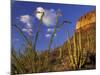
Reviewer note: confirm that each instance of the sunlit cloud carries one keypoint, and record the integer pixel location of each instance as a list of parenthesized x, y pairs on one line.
[(49, 35), (29, 31), (41, 10), (49, 18), (26, 19), (55, 34), (50, 29)]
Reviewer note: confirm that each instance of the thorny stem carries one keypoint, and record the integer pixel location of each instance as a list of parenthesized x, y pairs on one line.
[(55, 29), (35, 42), (37, 33)]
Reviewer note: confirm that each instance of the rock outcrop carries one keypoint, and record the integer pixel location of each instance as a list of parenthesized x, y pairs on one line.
[(86, 20)]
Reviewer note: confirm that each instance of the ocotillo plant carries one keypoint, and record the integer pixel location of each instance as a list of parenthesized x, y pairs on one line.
[(36, 38), (31, 55), (69, 51), (28, 42), (77, 54), (55, 29), (37, 33)]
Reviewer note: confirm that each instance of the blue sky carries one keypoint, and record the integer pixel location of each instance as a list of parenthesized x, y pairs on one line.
[(27, 9)]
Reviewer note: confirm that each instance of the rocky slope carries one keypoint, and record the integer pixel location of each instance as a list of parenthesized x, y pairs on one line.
[(59, 57), (86, 24), (86, 20)]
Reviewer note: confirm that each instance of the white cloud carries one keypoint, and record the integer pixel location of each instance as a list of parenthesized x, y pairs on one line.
[(28, 25), (55, 34), (27, 20), (41, 10), (49, 17), (48, 35), (29, 31), (52, 10), (50, 29)]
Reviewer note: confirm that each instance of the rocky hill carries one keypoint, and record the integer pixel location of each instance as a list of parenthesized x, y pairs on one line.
[(86, 20), (86, 25)]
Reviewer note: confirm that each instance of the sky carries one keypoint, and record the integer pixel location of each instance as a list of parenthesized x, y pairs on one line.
[(24, 15)]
